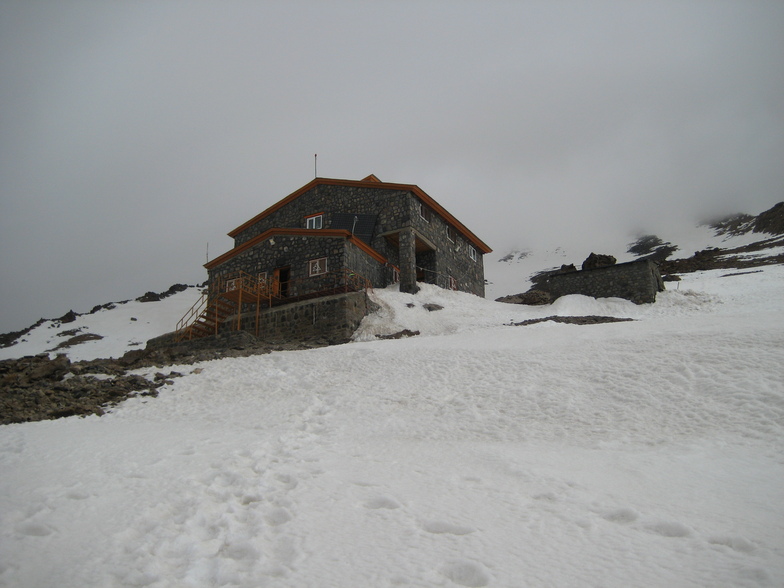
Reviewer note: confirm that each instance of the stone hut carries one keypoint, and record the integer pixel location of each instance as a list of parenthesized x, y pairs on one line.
[(333, 237), (638, 281)]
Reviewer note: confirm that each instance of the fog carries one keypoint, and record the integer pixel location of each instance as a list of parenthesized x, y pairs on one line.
[(134, 136)]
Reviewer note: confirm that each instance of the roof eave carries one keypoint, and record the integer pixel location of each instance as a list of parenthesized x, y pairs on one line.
[(375, 184)]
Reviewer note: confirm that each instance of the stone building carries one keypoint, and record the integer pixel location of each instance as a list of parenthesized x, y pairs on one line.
[(336, 236), (382, 231), (638, 281)]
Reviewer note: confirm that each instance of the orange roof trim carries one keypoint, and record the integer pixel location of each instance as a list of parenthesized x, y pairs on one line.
[(370, 181)]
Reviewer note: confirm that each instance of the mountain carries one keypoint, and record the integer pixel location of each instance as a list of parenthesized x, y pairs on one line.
[(739, 240), (108, 330), (112, 329), (490, 449)]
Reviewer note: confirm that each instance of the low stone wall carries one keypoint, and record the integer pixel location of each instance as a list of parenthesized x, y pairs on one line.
[(638, 281), (332, 318)]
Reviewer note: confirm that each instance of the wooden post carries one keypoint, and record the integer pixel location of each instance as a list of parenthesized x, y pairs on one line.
[(258, 306), (239, 306)]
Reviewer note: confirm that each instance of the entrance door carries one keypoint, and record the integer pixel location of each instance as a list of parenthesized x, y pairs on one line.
[(280, 281)]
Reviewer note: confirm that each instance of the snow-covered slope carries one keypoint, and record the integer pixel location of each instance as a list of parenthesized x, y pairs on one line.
[(643, 453), (121, 327), (510, 272)]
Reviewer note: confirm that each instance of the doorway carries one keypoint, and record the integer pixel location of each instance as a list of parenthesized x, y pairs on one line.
[(280, 281)]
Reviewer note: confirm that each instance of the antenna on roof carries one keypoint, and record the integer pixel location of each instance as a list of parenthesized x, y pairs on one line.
[(315, 165)]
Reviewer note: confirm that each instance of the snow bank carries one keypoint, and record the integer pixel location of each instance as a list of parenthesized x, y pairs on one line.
[(643, 453), (122, 328)]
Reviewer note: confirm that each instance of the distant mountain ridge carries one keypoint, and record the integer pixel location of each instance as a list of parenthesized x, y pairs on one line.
[(771, 221), (738, 240), (728, 242)]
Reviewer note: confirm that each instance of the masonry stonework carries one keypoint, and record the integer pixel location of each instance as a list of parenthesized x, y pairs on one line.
[(333, 318), (638, 281), (335, 236)]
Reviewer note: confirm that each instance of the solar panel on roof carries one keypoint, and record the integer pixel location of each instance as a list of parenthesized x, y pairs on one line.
[(361, 225)]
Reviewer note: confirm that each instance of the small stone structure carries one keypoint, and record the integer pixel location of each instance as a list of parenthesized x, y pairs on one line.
[(638, 281)]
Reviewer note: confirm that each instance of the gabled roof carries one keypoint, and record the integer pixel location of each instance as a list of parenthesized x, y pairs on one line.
[(370, 182), (340, 233)]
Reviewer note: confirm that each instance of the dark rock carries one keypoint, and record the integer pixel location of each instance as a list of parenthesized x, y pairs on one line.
[(532, 298), (149, 297), (399, 334), (771, 221), (430, 307), (573, 320), (8, 339), (68, 317), (595, 260), (78, 339)]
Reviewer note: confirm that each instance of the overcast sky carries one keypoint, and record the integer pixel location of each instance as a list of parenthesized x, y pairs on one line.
[(134, 134)]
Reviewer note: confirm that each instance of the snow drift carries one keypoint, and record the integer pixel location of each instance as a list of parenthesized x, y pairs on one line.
[(641, 453)]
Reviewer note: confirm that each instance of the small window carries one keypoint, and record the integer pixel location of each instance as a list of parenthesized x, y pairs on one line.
[(472, 252), (314, 222), (316, 267), (425, 212), (262, 278), (450, 233), (452, 283)]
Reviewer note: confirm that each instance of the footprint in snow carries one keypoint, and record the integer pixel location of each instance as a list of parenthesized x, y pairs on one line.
[(669, 529), (382, 502), (34, 529), (466, 573), (621, 515), (277, 517), (736, 543), (441, 527)]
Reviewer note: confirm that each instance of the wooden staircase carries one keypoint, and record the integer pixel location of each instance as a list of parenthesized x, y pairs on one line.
[(227, 296), (224, 299)]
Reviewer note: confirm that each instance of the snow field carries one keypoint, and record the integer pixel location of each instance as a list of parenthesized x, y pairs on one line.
[(644, 453), (126, 326)]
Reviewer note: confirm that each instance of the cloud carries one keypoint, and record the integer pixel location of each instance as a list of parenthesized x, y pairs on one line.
[(135, 134)]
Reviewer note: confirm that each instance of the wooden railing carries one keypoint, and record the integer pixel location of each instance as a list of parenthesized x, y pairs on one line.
[(193, 313), (242, 288)]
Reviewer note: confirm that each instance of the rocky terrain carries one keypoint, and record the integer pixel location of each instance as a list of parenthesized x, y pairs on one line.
[(37, 387), (768, 250)]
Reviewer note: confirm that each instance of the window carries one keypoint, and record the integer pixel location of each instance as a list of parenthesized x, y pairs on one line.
[(472, 252), (450, 233), (314, 222), (425, 212), (316, 267), (452, 283)]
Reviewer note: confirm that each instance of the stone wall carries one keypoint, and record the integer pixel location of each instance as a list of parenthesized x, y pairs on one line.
[(451, 258), (394, 210), (332, 318), (638, 281), (285, 251), (389, 205), (294, 252)]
